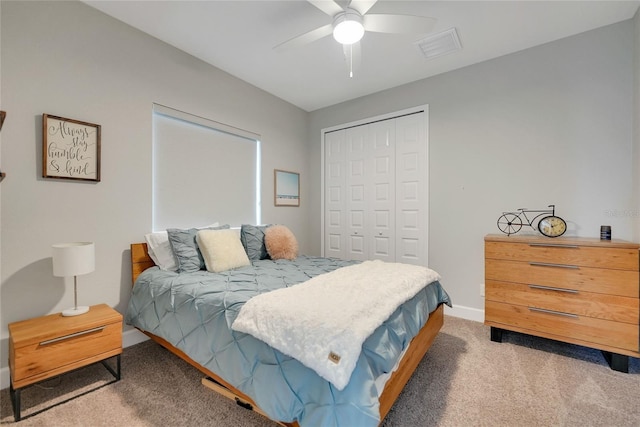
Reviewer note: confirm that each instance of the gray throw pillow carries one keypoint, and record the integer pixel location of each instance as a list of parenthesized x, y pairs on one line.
[(185, 248), (252, 238)]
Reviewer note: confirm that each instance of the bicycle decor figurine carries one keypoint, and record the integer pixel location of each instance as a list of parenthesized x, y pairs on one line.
[(549, 225)]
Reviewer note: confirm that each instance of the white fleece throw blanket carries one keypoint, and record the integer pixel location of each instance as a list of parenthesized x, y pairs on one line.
[(324, 321)]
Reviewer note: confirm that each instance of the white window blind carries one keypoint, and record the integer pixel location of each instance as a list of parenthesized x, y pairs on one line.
[(203, 172)]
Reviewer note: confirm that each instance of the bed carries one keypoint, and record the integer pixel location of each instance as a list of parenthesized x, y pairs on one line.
[(259, 377)]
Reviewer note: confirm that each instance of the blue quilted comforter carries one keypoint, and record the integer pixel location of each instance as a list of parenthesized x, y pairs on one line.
[(194, 312)]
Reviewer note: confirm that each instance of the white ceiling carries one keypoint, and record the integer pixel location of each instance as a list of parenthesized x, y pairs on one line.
[(238, 37)]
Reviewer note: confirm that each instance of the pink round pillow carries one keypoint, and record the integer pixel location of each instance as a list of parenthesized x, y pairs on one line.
[(280, 242)]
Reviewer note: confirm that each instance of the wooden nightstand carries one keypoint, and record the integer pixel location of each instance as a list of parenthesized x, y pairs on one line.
[(51, 345)]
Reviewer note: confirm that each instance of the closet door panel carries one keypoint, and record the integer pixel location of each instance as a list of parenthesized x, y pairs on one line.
[(335, 195), (382, 190), (411, 190), (358, 166)]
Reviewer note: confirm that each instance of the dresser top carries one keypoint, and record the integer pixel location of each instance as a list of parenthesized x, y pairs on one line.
[(562, 240)]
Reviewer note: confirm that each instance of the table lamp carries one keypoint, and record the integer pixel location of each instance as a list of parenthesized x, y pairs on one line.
[(73, 259)]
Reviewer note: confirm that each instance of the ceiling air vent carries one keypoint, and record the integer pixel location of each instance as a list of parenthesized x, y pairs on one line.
[(439, 44)]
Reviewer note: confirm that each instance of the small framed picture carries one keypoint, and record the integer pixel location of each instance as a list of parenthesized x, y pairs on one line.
[(70, 149), (287, 188)]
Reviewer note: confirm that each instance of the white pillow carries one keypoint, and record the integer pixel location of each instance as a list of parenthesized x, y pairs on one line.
[(221, 249), (160, 251)]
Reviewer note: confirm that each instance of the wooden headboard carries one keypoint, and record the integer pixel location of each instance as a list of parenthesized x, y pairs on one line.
[(140, 260)]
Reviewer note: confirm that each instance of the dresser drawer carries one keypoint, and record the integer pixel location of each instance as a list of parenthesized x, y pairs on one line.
[(598, 280), (55, 353), (565, 254), (589, 304), (588, 329)]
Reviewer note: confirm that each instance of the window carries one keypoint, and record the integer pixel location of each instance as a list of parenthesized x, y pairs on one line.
[(203, 172)]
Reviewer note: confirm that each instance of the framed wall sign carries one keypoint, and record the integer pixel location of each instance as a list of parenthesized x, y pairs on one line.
[(70, 149), (287, 188)]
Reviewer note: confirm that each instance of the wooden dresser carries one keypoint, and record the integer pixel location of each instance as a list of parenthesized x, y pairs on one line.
[(584, 291)]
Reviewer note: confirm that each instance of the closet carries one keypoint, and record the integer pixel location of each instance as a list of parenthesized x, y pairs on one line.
[(376, 189)]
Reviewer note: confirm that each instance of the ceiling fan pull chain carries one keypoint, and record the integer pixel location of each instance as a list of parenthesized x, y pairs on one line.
[(351, 61)]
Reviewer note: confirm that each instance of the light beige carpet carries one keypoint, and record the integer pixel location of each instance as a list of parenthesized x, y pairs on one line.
[(464, 380)]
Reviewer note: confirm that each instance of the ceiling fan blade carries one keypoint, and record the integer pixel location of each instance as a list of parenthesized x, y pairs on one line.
[(329, 7), (400, 24), (353, 57), (362, 6), (305, 38)]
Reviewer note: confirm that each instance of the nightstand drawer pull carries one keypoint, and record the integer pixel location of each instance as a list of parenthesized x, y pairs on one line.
[(558, 313), (77, 334), (554, 245), (546, 264), (550, 288)]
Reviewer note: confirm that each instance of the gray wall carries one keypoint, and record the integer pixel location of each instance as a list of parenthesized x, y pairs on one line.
[(636, 136), (551, 124), (68, 59)]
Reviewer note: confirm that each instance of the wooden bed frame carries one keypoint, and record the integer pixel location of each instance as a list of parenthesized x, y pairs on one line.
[(418, 347)]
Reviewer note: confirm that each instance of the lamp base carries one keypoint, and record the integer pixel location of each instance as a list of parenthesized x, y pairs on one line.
[(75, 311)]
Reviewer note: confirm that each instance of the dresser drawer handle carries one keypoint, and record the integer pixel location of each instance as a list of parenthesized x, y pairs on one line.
[(546, 264), (551, 288), (558, 313), (77, 334), (554, 245)]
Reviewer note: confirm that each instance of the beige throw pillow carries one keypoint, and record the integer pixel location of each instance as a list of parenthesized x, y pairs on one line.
[(221, 249)]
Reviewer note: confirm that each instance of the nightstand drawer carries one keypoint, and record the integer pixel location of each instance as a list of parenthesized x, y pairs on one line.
[(564, 254), (598, 280), (597, 331), (58, 353), (606, 307)]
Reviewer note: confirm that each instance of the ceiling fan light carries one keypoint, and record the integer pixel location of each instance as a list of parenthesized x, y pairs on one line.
[(348, 32), (347, 27)]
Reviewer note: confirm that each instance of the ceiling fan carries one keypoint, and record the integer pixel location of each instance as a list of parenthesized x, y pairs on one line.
[(351, 21)]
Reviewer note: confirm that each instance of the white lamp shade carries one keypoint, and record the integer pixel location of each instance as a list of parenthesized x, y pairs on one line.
[(73, 259)]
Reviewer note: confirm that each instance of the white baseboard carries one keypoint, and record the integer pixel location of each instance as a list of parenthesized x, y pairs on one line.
[(134, 336), (129, 338), (468, 313), (4, 377)]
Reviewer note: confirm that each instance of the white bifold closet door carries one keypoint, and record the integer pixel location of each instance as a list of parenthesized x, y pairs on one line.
[(376, 191), (412, 190)]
